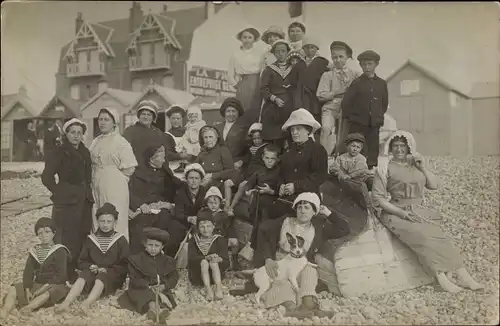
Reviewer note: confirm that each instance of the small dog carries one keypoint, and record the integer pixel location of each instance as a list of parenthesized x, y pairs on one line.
[(288, 267)]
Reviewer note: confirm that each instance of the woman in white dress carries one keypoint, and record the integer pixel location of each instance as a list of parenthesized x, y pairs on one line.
[(113, 162)]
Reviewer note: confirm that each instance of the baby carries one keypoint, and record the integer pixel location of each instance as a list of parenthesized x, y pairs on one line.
[(190, 142)]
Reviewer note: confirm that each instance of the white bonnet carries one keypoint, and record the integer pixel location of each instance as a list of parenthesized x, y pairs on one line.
[(195, 167), (213, 191), (310, 197)]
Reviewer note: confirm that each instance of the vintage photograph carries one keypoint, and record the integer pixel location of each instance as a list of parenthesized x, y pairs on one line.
[(249, 163)]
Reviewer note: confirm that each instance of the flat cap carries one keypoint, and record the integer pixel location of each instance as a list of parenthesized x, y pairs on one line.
[(155, 234), (107, 208), (355, 137), (341, 45), (369, 55)]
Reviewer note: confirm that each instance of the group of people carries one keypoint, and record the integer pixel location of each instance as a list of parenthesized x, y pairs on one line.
[(120, 210)]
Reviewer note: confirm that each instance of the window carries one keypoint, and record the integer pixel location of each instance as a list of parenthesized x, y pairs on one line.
[(75, 92), (409, 87), (145, 54), (159, 53), (136, 85), (82, 61), (94, 60)]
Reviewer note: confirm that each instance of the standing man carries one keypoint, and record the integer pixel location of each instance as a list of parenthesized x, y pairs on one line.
[(52, 137), (365, 103)]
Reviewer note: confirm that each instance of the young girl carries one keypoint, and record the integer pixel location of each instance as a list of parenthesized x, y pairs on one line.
[(103, 261), (44, 275), (295, 57), (252, 163), (150, 272), (190, 144), (208, 256), (244, 69), (213, 203)]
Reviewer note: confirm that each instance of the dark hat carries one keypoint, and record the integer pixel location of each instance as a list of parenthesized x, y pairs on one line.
[(369, 55), (151, 150), (297, 24), (355, 137), (155, 234), (233, 102), (45, 222), (204, 214), (176, 109), (341, 45), (107, 208), (251, 30)]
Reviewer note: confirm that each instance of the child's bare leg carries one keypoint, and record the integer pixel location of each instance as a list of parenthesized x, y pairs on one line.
[(205, 277), (228, 194), (217, 280), (446, 284), (467, 280), (10, 302), (94, 294), (74, 292), (37, 302)]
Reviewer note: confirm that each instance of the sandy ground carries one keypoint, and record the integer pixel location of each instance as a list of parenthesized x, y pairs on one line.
[(468, 199)]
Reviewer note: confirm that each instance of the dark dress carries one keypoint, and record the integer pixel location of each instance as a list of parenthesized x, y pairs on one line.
[(113, 258), (185, 206), (364, 105), (170, 135), (308, 81), (141, 137), (53, 271), (218, 161), (143, 271), (279, 83), (219, 247), (305, 165), (72, 197), (149, 185)]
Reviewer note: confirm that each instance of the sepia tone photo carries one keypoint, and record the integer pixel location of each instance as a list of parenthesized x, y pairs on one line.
[(249, 163)]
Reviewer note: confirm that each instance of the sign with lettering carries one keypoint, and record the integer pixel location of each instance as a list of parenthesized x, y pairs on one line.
[(209, 82)]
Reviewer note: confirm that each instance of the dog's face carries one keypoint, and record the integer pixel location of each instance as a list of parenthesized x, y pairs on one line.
[(296, 245)]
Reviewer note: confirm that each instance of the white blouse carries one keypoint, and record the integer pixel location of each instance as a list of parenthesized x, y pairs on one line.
[(245, 62)]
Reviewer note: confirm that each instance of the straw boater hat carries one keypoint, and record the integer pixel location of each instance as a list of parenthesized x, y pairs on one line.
[(309, 40), (301, 117), (213, 191), (175, 109), (256, 126), (155, 234), (231, 102), (74, 121), (112, 112), (150, 106), (309, 197), (341, 45), (194, 167), (280, 41), (251, 30), (272, 30)]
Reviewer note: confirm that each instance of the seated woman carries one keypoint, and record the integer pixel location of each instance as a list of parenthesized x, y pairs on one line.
[(152, 192), (403, 177), (309, 223), (190, 197), (215, 158)]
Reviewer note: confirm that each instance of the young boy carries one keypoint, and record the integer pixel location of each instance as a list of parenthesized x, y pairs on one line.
[(151, 272), (365, 104), (351, 168), (44, 275), (309, 73), (253, 162), (208, 257), (330, 92), (102, 262)]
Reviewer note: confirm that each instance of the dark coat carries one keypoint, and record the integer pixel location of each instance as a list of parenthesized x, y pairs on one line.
[(52, 271), (269, 231), (365, 101), (148, 185), (52, 138), (305, 165), (185, 207), (218, 161), (141, 137), (235, 140), (273, 82), (252, 163), (308, 81), (195, 256)]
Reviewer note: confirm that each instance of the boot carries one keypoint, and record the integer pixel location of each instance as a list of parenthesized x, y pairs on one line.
[(309, 308), (250, 287)]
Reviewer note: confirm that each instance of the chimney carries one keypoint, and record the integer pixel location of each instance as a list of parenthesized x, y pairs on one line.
[(78, 22), (164, 12), (22, 91), (209, 9), (135, 17)]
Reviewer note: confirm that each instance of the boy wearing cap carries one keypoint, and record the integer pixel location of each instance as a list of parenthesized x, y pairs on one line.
[(331, 89), (309, 73), (102, 261), (44, 275), (364, 105), (208, 256), (151, 273)]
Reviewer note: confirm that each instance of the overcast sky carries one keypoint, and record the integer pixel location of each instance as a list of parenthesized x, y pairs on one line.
[(33, 34)]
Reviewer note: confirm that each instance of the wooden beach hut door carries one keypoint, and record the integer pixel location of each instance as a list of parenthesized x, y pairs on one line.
[(408, 111)]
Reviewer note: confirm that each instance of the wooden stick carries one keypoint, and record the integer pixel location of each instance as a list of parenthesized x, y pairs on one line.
[(14, 200), (32, 209)]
